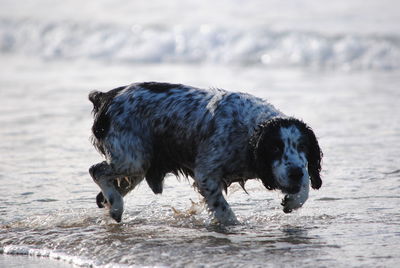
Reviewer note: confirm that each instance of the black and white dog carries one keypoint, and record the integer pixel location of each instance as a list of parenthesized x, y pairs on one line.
[(146, 130)]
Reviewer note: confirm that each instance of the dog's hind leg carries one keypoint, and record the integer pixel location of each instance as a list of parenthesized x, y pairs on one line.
[(123, 185), (105, 177)]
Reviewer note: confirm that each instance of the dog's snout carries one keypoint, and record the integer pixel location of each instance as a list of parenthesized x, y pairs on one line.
[(296, 173)]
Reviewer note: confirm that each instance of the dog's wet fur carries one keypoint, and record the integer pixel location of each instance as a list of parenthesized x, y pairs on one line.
[(147, 130)]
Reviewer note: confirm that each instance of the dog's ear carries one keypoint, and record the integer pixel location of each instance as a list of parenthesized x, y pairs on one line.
[(314, 158), (262, 159)]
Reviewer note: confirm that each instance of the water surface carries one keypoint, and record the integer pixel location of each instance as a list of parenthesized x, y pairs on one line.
[(343, 83)]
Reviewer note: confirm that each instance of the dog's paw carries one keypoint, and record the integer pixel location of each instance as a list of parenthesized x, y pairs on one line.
[(286, 204), (101, 201)]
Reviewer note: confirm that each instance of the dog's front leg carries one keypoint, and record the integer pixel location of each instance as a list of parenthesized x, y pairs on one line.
[(211, 189)]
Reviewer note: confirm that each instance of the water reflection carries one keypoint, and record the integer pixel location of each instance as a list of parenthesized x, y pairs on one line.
[(296, 235)]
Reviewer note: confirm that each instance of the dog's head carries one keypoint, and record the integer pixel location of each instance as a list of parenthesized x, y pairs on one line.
[(287, 156)]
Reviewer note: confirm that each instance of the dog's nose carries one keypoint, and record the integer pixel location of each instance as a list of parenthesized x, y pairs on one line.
[(296, 173)]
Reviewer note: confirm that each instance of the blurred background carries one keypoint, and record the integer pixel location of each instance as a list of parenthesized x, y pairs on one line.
[(334, 64), (339, 35)]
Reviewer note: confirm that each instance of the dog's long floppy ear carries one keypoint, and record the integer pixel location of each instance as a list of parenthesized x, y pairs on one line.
[(261, 155), (314, 159)]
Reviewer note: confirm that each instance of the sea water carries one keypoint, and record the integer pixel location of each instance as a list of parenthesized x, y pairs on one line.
[(334, 65)]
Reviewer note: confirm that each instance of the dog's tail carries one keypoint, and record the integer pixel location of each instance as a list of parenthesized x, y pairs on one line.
[(101, 122), (96, 97), (101, 102)]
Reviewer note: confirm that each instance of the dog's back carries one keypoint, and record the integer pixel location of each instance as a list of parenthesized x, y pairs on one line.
[(158, 128), (174, 117)]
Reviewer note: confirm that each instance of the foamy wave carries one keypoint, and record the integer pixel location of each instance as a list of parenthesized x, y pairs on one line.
[(59, 256), (199, 44), (45, 253)]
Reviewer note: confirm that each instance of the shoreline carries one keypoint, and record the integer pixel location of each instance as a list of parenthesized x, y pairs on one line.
[(11, 261)]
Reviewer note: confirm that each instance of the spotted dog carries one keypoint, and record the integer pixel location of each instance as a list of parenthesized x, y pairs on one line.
[(147, 130)]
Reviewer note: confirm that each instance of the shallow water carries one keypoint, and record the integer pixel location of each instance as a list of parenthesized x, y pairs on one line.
[(48, 206), (348, 93)]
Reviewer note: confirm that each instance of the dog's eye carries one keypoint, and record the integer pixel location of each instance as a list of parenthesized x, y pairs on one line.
[(275, 149)]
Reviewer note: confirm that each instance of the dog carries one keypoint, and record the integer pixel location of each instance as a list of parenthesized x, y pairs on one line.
[(147, 130)]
